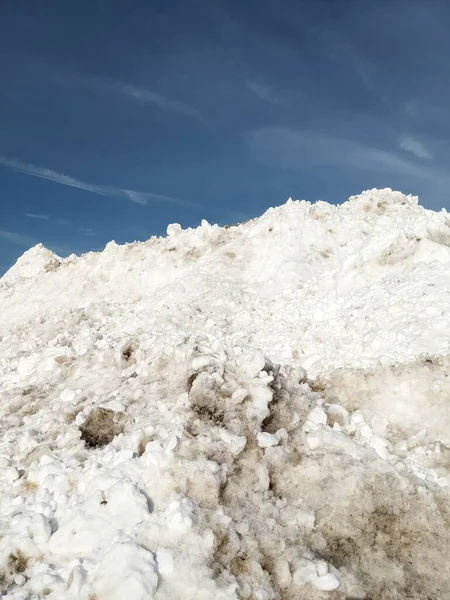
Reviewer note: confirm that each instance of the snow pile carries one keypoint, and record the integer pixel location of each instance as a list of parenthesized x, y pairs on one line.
[(256, 412)]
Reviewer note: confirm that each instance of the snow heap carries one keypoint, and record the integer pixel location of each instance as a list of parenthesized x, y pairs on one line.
[(253, 412)]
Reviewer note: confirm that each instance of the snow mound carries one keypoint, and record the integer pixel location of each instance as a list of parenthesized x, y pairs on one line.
[(32, 263), (253, 412), (381, 200)]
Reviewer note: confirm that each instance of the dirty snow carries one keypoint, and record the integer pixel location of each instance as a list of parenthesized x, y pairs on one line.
[(253, 412)]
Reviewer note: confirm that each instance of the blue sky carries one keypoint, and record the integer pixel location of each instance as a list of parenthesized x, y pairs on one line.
[(120, 117)]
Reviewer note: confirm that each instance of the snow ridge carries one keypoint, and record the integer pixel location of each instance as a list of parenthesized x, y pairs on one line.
[(252, 412)]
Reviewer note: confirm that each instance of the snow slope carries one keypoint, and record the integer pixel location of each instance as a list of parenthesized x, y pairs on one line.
[(276, 397)]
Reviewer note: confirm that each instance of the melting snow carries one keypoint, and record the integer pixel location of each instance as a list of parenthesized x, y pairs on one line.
[(255, 412)]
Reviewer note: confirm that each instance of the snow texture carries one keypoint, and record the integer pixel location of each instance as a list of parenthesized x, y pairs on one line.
[(254, 412)]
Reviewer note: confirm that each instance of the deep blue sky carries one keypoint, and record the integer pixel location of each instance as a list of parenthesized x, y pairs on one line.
[(118, 117)]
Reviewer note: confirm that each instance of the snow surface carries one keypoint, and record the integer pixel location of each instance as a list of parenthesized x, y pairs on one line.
[(282, 391)]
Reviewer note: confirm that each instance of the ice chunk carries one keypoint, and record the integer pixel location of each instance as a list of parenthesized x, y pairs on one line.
[(265, 440)]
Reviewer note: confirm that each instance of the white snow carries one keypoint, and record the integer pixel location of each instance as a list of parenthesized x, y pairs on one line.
[(266, 440), (269, 411), (126, 571)]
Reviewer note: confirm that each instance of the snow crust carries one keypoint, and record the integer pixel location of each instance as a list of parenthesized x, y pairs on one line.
[(282, 389)]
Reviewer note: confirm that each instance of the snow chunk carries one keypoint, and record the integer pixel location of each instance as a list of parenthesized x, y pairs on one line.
[(317, 416), (313, 442), (239, 395), (337, 414), (68, 396), (173, 229), (11, 474), (305, 572), (326, 583), (236, 443), (261, 396), (266, 440), (126, 571), (94, 523), (200, 362)]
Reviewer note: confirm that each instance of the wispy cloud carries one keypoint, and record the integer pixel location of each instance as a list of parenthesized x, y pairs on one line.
[(102, 190), (264, 91), (291, 148), (363, 71), (414, 146), (342, 49), (83, 230), (50, 219), (412, 107), (158, 100), (41, 217), (86, 230), (296, 149), (18, 239), (107, 85)]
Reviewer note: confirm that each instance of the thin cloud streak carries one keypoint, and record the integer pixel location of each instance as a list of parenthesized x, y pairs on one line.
[(414, 146), (362, 70), (137, 94), (49, 219), (103, 190), (263, 91), (342, 49), (86, 230), (161, 102), (41, 217), (292, 148), (44, 173), (82, 230)]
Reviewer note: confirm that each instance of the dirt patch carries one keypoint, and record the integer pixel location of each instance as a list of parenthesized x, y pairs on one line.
[(52, 265), (17, 562), (101, 427), (127, 352)]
